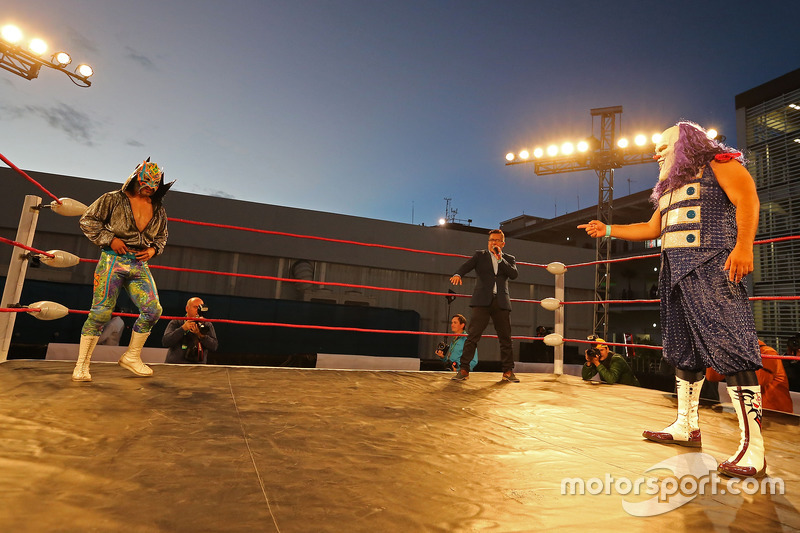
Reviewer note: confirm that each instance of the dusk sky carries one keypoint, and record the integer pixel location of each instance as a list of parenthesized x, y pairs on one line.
[(374, 108)]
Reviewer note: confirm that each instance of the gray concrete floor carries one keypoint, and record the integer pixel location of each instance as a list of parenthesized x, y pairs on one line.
[(267, 449)]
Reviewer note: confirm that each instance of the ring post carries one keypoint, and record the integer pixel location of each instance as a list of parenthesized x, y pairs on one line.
[(558, 352), (557, 269), (17, 267)]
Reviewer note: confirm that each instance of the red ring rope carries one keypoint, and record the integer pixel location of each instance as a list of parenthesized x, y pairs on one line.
[(24, 247), (399, 248), (25, 175)]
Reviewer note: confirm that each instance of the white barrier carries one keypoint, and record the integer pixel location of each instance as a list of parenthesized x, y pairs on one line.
[(69, 352), (336, 361), (546, 368)]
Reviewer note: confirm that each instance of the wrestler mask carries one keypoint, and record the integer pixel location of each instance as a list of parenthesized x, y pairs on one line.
[(665, 151), (149, 175)]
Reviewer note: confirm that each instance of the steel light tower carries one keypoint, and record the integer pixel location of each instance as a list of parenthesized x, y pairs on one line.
[(603, 152), (27, 62)]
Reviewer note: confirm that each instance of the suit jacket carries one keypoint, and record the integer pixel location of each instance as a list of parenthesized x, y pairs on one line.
[(481, 262)]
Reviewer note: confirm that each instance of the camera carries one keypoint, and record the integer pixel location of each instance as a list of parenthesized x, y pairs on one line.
[(594, 351), (202, 326), (443, 347)]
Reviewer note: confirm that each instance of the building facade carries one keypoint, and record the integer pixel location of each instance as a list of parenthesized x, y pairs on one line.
[(634, 279), (313, 273), (768, 128)]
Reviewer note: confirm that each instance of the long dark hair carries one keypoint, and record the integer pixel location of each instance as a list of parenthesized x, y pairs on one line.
[(693, 150)]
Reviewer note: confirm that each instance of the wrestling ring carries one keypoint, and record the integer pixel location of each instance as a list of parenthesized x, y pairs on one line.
[(236, 448)]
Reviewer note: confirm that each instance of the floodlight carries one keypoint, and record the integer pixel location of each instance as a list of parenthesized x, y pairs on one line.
[(509, 156), (62, 58), (37, 46), (84, 70), (11, 34), (656, 138), (712, 133), (524, 154), (603, 152), (27, 61)]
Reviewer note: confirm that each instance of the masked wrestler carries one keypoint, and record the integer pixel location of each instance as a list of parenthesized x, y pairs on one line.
[(706, 217), (130, 227)]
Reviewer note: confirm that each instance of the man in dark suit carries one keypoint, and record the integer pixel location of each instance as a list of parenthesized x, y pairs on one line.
[(490, 299)]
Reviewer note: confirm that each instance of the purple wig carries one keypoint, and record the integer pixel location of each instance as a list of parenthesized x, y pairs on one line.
[(693, 150)]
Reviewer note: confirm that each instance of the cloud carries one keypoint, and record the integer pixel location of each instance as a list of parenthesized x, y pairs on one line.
[(79, 126), (134, 143), (142, 60), (213, 192), (81, 41)]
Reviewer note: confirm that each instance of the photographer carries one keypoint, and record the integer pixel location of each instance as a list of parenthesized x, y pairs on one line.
[(189, 341), (611, 366), (451, 353)]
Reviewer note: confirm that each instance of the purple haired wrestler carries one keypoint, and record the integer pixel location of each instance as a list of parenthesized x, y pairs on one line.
[(706, 216)]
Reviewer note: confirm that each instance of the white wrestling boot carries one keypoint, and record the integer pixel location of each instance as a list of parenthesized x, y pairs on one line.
[(81, 372), (749, 460), (132, 358), (685, 431)]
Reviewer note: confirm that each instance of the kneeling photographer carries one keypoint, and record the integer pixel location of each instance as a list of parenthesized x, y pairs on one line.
[(451, 353), (189, 341), (611, 366)]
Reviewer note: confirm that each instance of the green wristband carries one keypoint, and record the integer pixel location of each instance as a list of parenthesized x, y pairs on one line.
[(608, 230)]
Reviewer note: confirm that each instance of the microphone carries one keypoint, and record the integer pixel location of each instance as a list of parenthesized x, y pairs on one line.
[(496, 250)]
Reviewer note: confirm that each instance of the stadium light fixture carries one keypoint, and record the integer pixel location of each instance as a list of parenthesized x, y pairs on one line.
[(602, 152), (27, 61), (61, 58)]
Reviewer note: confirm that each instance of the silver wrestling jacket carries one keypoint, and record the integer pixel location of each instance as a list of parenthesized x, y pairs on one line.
[(111, 216), (698, 221)]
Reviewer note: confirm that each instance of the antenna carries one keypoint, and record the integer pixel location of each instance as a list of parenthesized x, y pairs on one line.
[(450, 213)]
